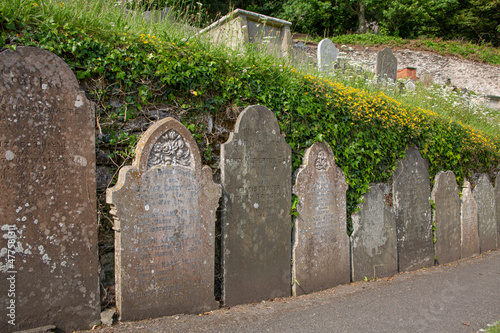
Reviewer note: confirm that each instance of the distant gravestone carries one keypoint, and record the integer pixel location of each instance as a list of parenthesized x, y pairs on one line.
[(446, 217), (164, 207), (387, 65), (321, 244), (486, 214), (497, 201), (48, 205), (300, 52), (256, 225), (327, 55), (411, 197), (410, 85), (374, 252), (468, 218)]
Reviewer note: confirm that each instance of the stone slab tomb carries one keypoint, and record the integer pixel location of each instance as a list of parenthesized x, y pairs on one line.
[(164, 209), (411, 198), (374, 252), (48, 205), (256, 223), (468, 221), (327, 55), (387, 65), (321, 245), (446, 217), (484, 194)]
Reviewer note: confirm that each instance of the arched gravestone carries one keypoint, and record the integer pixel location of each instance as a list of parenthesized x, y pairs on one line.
[(374, 251), (468, 221), (486, 214), (321, 244), (48, 205), (164, 207), (327, 55), (446, 217), (411, 198), (256, 223), (387, 65)]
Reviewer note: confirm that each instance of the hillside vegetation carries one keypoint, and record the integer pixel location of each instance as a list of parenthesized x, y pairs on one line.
[(137, 71)]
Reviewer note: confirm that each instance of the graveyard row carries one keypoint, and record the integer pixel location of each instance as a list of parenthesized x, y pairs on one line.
[(165, 206)]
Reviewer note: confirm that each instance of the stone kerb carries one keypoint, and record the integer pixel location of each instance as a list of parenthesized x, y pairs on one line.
[(321, 244), (374, 252), (411, 198), (387, 65), (256, 234), (486, 213), (327, 55), (164, 209), (48, 204), (497, 202), (468, 222), (446, 217)]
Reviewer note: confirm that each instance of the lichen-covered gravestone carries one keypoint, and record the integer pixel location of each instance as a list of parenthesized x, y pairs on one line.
[(387, 65), (374, 252), (164, 207), (321, 244), (468, 221), (48, 255), (486, 214), (411, 197), (256, 223), (327, 55), (446, 217)]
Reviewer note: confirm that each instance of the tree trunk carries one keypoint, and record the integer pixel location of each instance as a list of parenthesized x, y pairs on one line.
[(361, 18)]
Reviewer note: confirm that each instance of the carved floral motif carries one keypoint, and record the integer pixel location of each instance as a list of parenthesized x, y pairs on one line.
[(170, 149), (321, 161)]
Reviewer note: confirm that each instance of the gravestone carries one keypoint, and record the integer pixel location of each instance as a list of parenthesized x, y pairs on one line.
[(411, 197), (321, 244), (410, 85), (327, 55), (256, 224), (48, 204), (486, 214), (446, 217), (374, 251), (497, 201), (164, 209), (300, 52), (468, 220), (387, 65)]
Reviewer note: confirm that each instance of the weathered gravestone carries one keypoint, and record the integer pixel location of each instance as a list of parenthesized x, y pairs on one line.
[(300, 52), (164, 207), (256, 224), (411, 191), (446, 217), (374, 251), (327, 55), (497, 201), (48, 206), (486, 213), (387, 65), (468, 220), (321, 244)]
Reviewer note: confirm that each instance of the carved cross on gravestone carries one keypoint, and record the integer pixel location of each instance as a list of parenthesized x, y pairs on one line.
[(164, 210)]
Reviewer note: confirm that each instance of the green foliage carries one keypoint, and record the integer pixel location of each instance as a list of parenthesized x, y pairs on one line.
[(132, 70)]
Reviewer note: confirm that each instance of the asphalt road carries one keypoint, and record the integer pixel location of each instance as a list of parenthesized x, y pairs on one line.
[(460, 297)]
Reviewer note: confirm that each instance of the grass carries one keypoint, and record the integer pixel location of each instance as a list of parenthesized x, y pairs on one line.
[(493, 329)]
